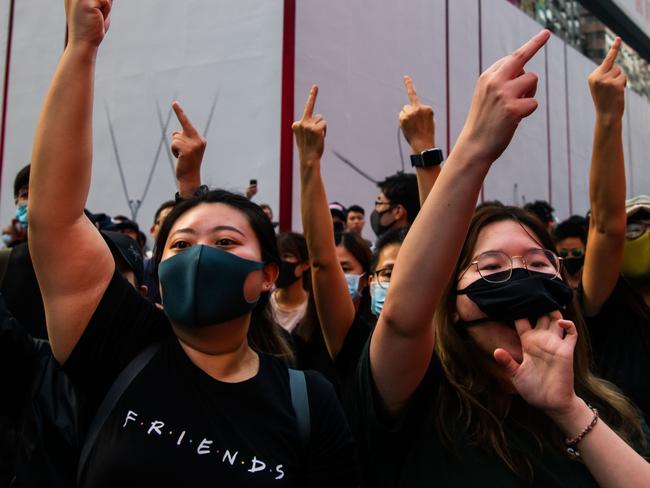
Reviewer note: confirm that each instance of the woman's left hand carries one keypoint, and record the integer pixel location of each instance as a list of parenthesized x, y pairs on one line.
[(545, 376)]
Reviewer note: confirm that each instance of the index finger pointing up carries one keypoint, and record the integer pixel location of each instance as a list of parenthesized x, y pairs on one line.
[(187, 126), (518, 59), (311, 102), (410, 91), (608, 62)]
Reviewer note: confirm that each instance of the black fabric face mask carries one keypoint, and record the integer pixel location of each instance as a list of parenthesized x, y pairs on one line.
[(573, 265), (375, 222), (527, 294), (287, 276)]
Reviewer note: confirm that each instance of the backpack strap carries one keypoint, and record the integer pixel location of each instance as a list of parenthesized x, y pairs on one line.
[(300, 403), (5, 254), (115, 392)]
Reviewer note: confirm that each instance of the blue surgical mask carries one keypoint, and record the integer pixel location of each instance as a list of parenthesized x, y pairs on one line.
[(377, 297), (204, 285), (21, 215), (353, 285)]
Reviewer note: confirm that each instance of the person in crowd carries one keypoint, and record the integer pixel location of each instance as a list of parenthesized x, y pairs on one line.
[(268, 211), (338, 213), (215, 346), (334, 330), (124, 225), (289, 299), (355, 219), (478, 368), (16, 233), (570, 243), (544, 212), (150, 278), (41, 404), (402, 194), (611, 289), (397, 204), (384, 256), (159, 218)]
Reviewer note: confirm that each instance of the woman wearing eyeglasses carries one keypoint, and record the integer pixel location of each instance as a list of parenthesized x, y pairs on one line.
[(497, 389)]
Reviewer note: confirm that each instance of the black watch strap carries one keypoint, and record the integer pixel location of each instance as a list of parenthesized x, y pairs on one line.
[(427, 158), (201, 190)]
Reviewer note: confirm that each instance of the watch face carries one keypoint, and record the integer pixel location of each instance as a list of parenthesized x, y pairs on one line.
[(432, 157)]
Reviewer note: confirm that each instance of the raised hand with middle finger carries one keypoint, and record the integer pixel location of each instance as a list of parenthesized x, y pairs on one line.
[(607, 84), (504, 95), (188, 145), (416, 121), (310, 131)]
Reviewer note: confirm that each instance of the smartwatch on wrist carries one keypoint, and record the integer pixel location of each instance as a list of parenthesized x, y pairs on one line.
[(201, 190), (427, 158)]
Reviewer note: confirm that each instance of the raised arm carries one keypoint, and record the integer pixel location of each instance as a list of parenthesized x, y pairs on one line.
[(606, 185), (333, 303), (72, 262), (418, 127), (403, 341)]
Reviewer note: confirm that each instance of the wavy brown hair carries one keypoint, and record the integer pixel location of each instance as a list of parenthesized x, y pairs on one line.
[(468, 395)]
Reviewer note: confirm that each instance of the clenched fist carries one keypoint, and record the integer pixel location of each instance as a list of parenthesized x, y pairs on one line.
[(88, 21), (310, 131), (416, 121), (607, 84)]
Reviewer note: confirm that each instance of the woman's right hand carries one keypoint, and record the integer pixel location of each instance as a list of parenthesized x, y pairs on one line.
[(310, 131), (504, 95), (544, 378), (88, 21)]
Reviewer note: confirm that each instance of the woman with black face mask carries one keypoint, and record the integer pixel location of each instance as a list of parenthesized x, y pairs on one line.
[(289, 299), (199, 393), (478, 369)]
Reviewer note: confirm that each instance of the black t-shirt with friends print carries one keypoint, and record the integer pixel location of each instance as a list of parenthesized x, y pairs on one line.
[(176, 425)]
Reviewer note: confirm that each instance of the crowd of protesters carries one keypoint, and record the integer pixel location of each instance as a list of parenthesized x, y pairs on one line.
[(465, 346)]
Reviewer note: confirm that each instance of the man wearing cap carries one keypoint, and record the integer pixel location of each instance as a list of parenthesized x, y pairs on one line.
[(338, 213), (614, 284)]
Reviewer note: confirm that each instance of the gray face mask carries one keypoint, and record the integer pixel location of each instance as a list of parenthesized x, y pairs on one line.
[(204, 285)]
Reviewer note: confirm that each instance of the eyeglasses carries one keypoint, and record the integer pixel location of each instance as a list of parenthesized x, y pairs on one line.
[(496, 266), (379, 203), (576, 252), (635, 230), (382, 276)]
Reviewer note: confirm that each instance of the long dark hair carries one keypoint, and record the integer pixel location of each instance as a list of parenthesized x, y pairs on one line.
[(264, 334), (467, 395)]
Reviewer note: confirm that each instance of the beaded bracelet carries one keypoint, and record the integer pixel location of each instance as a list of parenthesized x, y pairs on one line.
[(572, 443)]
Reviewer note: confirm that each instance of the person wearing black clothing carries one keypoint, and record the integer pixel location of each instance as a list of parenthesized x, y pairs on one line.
[(457, 386), (213, 403), (42, 406), (615, 279)]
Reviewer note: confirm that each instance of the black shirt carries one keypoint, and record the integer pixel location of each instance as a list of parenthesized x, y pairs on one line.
[(22, 294), (176, 425), (313, 354), (41, 406), (407, 451), (620, 339)]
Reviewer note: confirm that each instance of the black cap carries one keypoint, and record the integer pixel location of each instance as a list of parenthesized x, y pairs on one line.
[(126, 250)]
